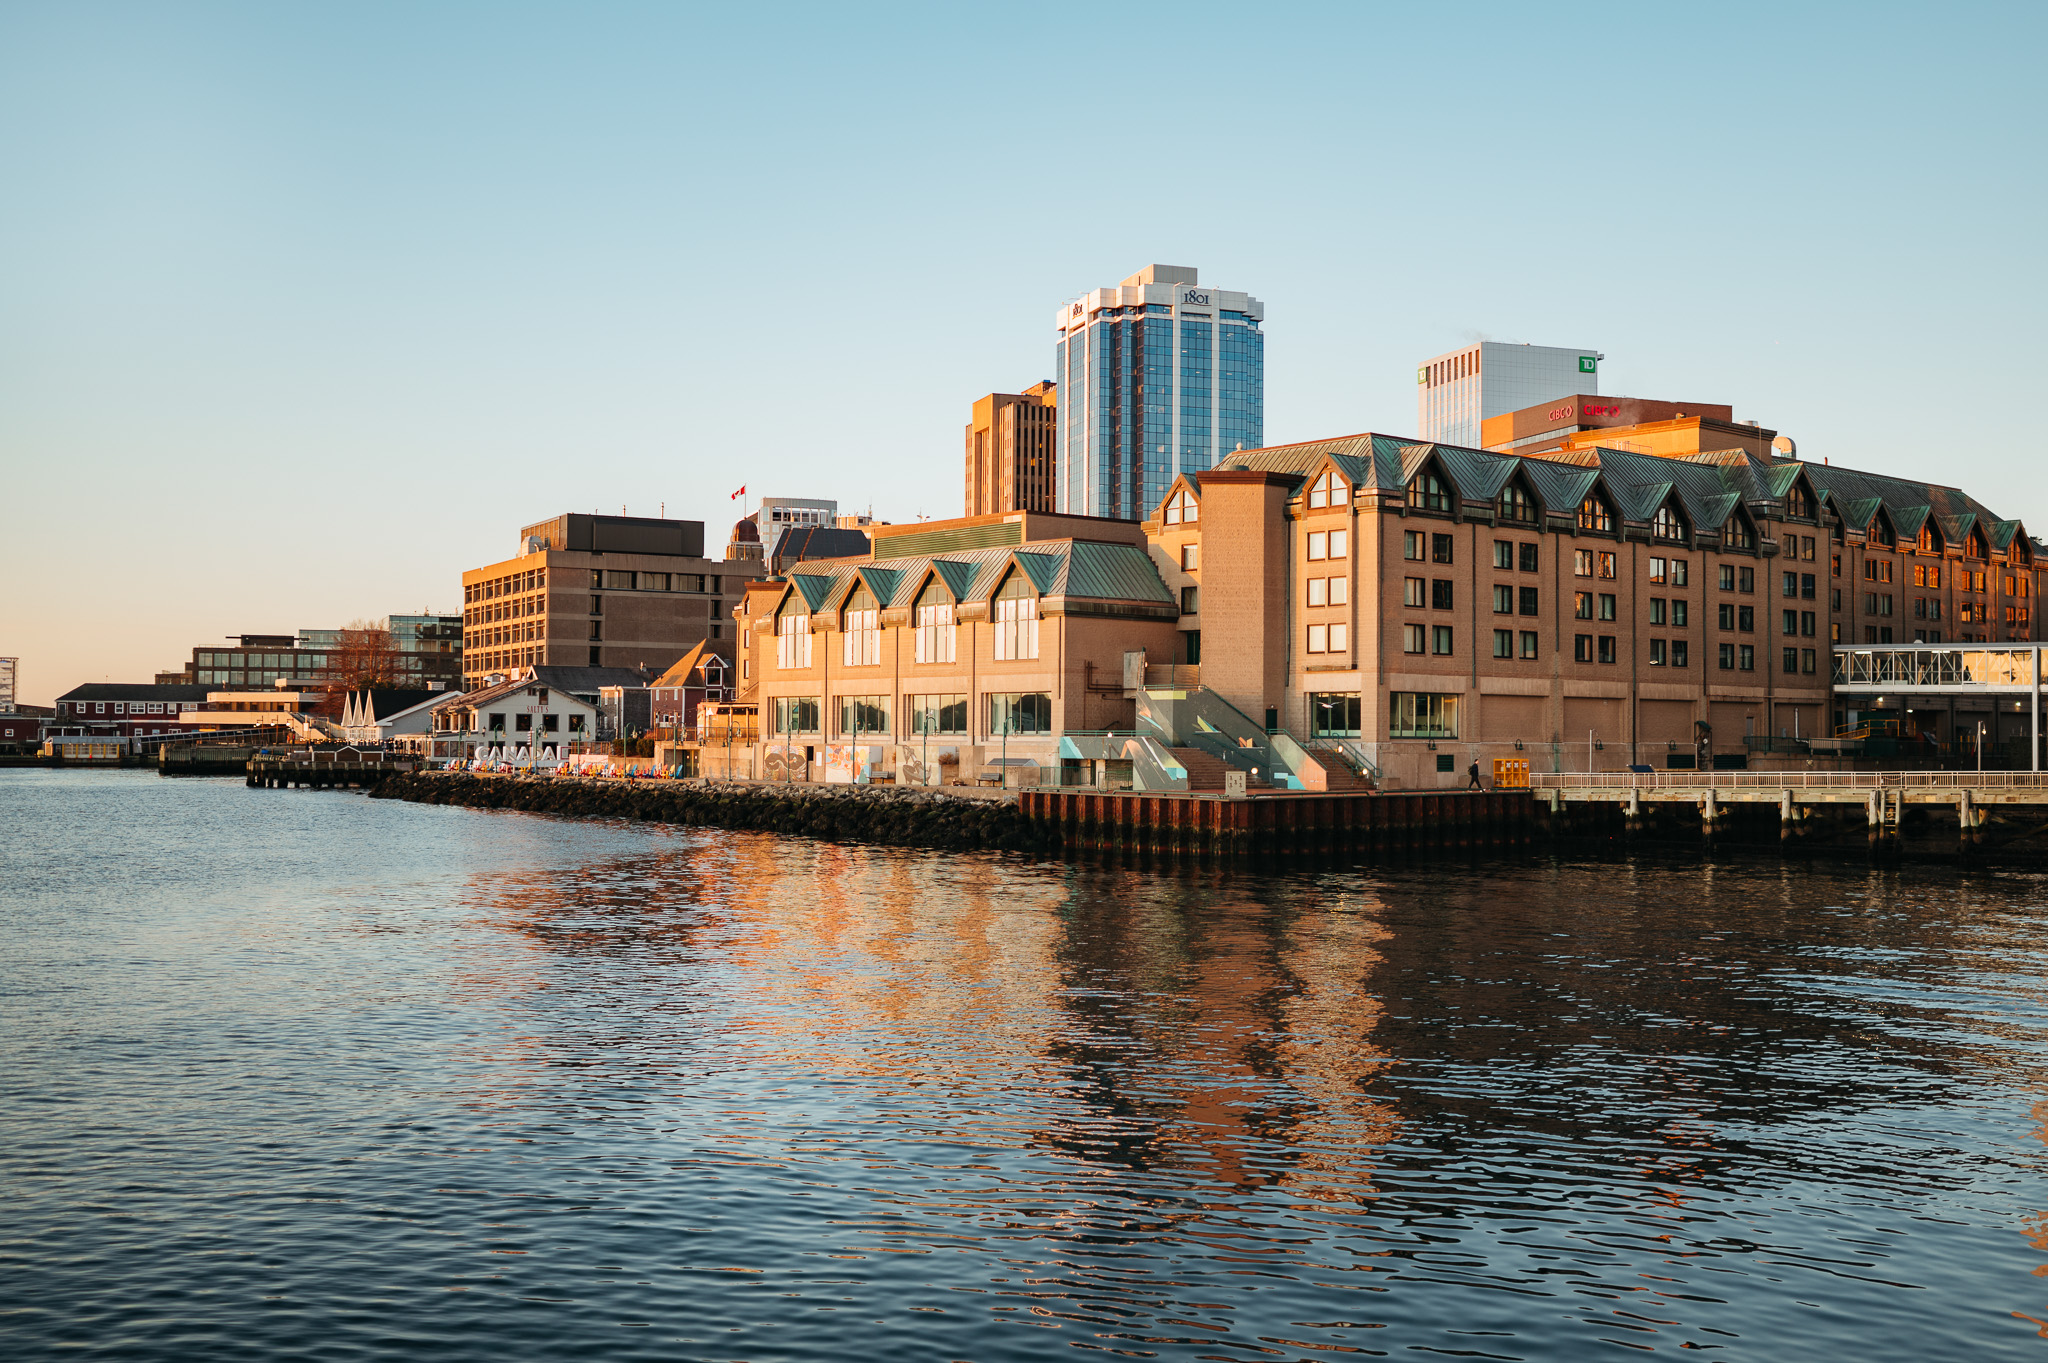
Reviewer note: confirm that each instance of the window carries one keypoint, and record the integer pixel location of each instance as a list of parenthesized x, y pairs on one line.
[(1746, 657), (1503, 643), (1319, 638), (1657, 654), (1412, 545), (1503, 600), (796, 714), (1427, 491), (1191, 601), (1727, 658), (614, 580), (1340, 543), (1531, 558), (1532, 600), (1727, 577), (863, 715), (936, 632), (1657, 570), (1419, 714), (1319, 591), (1340, 638), (1183, 509), (1016, 620), (1515, 504), (1334, 714), (1582, 563), (1807, 624), (1529, 644), (1791, 587), (1680, 572), (1799, 502), (1582, 605), (1028, 712), (1412, 637), (1440, 639), (1411, 591), (1790, 625), (861, 631), (1327, 490), (1738, 533), (1791, 661), (1745, 619), (1594, 516), (1656, 610), (1319, 544), (1582, 648), (1503, 553), (1607, 565), (1678, 653), (1190, 557), (1607, 606), (1607, 649), (792, 640), (1746, 579), (1439, 548), (1667, 524), (1678, 613), (1807, 660), (1340, 591), (1884, 604), (1441, 593), (937, 714)]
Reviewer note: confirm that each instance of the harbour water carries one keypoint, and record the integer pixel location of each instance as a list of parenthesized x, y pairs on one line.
[(307, 1074)]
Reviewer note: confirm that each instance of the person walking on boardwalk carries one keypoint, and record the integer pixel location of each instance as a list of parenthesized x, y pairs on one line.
[(1474, 770)]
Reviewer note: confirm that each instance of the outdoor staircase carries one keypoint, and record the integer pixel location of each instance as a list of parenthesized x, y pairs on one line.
[(1204, 772), (1338, 771)]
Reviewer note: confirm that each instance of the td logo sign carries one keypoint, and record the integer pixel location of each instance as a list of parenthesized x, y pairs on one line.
[(1586, 364)]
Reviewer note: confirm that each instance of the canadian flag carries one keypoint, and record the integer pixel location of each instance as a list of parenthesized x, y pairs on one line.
[(737, 495)]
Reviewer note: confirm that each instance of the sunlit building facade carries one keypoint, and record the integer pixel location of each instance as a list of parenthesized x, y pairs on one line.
[(1158, 376)]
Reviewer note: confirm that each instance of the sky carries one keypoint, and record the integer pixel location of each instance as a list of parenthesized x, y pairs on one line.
[(306, 309)]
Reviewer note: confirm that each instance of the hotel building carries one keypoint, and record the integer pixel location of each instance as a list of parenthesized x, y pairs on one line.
[(599, 591), (1400, 606), (1158, 376), (1459, 389)]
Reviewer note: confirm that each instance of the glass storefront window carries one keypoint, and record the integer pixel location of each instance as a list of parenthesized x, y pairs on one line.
[(1421, 714)]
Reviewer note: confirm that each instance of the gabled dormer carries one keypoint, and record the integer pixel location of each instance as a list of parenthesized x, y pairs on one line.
[(1430, 489), (1182, 504), (1669, 522), (1738, 532), (1325, 488), (1517, 502), (1597, 513), (1882, 531)]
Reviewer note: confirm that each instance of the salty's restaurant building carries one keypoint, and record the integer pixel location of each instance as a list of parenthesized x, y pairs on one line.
[(1393, 606)]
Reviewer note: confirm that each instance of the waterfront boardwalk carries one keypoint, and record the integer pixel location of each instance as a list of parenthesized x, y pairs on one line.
[(1806, 802)]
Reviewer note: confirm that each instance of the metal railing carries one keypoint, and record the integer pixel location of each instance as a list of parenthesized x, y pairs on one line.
[(1788, 780)]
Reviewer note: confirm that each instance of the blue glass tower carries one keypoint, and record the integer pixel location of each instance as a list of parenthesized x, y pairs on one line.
[(1157, 377)]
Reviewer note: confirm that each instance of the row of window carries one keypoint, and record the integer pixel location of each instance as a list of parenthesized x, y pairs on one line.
[(126, 707), (1014, 712), (532, 580)]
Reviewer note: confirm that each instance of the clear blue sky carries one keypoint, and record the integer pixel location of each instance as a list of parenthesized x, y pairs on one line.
[(304, 309)]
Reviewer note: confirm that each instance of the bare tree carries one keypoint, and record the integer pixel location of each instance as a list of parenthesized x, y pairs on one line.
[(363, 657)]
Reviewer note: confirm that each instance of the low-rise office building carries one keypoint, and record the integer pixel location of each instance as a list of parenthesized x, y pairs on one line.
[(124, 710), (513, 718), (598, 591)]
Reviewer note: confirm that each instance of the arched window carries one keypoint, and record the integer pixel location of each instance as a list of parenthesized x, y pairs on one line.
[(860, 623), (935, 627), (793, 635), (1667, 524), (1427, 491), (1738, 533), (1594, 515), (1515, 504), (1016, 619), (1327, 490), (1183, 509)]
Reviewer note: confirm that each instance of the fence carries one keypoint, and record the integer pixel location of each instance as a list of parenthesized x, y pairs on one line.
[(1789, 780)]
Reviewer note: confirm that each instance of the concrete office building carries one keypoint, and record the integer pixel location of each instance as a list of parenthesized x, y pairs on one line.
[(8, 670), (1158, 376), (1012, 451), (599, 591), (1459, 389)]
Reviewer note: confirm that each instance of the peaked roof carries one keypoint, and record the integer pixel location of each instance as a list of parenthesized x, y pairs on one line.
[(1082, 569), (383, 702)]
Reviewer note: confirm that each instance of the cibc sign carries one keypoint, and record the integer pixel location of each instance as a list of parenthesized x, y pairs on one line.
[(1564, 413)]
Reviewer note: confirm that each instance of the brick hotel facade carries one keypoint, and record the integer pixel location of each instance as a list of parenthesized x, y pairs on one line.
[(1438, 605)]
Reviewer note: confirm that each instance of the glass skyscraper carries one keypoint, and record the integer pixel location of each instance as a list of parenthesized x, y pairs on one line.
[(1157, 377)]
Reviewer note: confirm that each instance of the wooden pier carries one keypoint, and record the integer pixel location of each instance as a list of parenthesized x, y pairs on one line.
[(1198, 824), (323, 769)]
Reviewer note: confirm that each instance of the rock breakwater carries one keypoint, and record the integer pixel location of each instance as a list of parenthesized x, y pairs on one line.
[(877, 814)]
